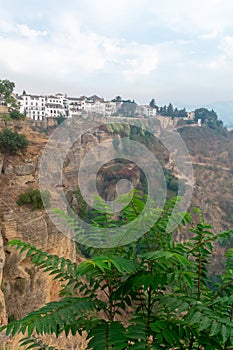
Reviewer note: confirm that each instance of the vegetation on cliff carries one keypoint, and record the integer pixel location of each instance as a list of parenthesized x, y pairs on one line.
[(10, 143), (152, 294)]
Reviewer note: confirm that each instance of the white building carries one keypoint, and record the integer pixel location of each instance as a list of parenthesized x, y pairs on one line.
[(110, 108), (33, 106), (39, 107), (75, 105), (146, 111)]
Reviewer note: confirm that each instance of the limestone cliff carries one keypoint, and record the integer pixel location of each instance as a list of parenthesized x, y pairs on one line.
[(24, 288)]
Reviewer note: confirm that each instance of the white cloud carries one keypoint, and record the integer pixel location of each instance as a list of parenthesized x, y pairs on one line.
[(24, 30), (69, 49), (167, 47), (195, 16), (227, 46)]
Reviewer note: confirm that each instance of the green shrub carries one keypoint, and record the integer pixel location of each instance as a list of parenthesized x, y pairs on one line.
[(11, 141), (16, 115), (34, 198)]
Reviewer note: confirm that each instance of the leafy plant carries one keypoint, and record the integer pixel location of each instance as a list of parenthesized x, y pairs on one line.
[(153, 293), (10, 143), (34, 198), (15, 114)]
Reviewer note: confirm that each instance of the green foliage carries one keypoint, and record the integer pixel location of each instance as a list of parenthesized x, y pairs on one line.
[(171, 180), (128, 108), (11, 102), (16, 115), (210, 119), (6, 87), (152, 104), (34, 198), (154, 293), (60, 119), (11, 141), (170, 111), (5, 116), (34, 343)]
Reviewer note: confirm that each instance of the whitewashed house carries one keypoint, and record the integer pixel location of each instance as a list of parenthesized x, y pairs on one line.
[(148, 111), (110, 108), (33, 106)]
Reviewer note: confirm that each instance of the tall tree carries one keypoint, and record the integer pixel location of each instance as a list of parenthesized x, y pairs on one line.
[(128, 108), (153, 104), (6, 87)]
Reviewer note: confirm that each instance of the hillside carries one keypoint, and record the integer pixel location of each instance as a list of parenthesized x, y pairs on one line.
[(212, 160)]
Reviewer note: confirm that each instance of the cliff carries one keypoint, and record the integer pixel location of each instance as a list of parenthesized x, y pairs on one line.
[(23, 287)]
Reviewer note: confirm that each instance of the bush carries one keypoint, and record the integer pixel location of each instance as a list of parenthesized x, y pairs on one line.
[(16, 115), (11, 141), (34, 198)]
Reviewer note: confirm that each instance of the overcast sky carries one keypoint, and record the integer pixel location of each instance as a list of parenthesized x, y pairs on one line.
[(173, 50)]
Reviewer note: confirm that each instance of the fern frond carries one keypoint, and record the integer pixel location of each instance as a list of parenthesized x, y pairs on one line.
[(108, 335), (34, 343), (63, 269), (68, 314)]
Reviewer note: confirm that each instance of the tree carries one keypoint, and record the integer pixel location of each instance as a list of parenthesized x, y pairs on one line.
[(6, 87), (158, 293), (210, 119), (117, 99), (153, 104), (163, 110), (128, 108), (10, 143), (205, 115), (170, 110)]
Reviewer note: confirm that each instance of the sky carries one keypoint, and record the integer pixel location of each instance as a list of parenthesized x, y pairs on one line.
[(178, 51)]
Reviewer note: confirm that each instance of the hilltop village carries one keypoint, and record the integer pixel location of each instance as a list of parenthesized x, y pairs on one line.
[(40, 107), (57, 107)]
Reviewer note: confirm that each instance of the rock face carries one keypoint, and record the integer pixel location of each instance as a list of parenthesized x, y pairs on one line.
[(3, 316), (24, 288)]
